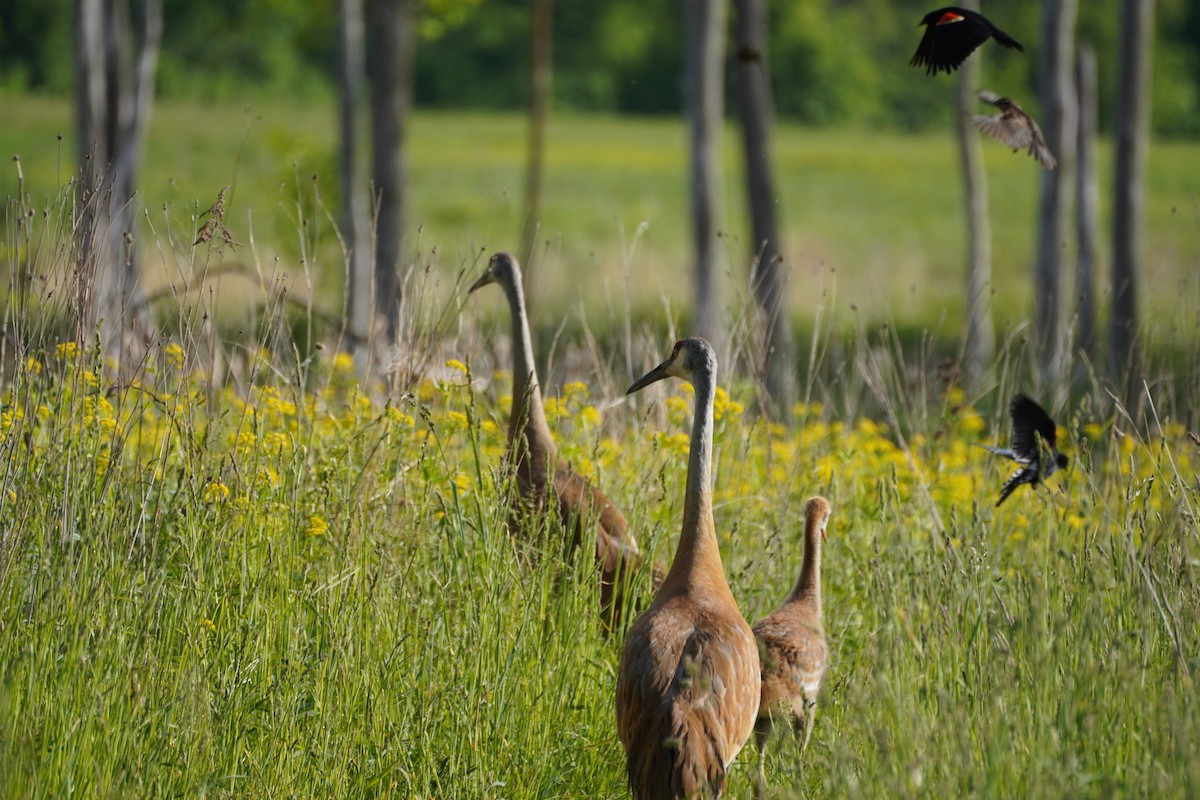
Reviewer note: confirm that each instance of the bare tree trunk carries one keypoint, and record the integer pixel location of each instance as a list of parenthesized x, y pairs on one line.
[(1058, 122), (980, 336), (355, 225), (92, 133), (1132, 135), (704, 38), (390, 50), (541, 71), (1087, 190), (115, 76), (756, 109)]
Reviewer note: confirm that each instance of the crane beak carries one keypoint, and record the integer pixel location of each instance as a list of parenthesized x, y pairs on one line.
[(653, 376), (484, 280)]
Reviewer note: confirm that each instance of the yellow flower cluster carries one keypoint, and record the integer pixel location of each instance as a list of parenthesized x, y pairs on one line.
[(271, 460)]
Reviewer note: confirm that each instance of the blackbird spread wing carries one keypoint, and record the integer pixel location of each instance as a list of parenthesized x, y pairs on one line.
[(1030, 421), (1026, 474)]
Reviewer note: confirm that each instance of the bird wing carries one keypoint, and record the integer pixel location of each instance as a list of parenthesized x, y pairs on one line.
[(1028, 419), (1002, 451), (793, 655), (1004, 128), (921, 57), (1026, 474), (991, 98), (1038, 148), (954, 41), (687, 697)]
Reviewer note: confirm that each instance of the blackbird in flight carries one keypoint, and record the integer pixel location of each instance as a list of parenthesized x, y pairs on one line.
[(1033, 446), (952, 34)]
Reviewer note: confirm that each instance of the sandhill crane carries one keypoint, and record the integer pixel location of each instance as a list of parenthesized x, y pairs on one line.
[(534, 458), (688, 683), (791, 645)]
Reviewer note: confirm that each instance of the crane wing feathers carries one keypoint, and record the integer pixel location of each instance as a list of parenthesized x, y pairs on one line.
[(686, 700)]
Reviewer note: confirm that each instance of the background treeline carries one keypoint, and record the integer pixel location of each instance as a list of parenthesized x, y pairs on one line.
[(834, 61)]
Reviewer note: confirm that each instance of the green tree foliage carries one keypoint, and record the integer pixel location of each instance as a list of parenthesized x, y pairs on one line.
[(833, 62)]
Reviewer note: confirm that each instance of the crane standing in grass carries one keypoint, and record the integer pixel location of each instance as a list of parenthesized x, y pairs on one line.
[(688, 683), (540, 474), (791, 644)]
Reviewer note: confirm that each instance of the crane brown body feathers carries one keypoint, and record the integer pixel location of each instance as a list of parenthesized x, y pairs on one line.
[(543, 478), (688, 682), (791, 642)]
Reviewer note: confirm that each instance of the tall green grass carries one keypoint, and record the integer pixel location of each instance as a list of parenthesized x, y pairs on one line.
[(235, 568)]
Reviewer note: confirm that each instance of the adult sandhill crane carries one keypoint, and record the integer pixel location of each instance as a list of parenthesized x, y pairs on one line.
[(541, 476), (688, 684), (791, 645)]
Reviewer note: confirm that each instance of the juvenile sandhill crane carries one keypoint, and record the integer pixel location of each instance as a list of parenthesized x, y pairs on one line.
[(541, 476), (791, 645), (688, 684)]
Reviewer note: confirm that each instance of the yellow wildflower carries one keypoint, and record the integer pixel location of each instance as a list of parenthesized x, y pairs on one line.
[(457, 365), (245, 441), (453, 421), (277, 442), (317, 526), (208, 623), (267, 478), (174, 354), (398, 417), (33, 366), (215, 492), (971, 423), (343, 363), (588, 415), (66, 350)]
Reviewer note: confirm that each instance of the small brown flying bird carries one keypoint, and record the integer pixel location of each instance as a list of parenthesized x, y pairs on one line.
[(1013, 127)]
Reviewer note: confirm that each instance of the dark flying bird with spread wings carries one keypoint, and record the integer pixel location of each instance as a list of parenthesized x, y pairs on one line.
[(1033, 446), (1014, 127), (952, 34)]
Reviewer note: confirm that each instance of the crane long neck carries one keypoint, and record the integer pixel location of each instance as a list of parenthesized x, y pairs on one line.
[(808, 587), (527, 394), (698, 541)]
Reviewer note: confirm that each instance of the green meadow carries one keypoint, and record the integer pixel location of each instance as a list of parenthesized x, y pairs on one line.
[(239, 570), (873, 221)]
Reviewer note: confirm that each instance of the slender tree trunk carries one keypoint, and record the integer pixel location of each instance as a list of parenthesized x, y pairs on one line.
[(115, 76), (980, 335), (1058, 124), (756, 109), (1132, 139), (92, 134), (390, 50), (704, 35), (1087, 190), (541, 71), (355, 226)]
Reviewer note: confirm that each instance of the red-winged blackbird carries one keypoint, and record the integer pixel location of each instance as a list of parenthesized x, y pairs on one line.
[(1032, 428), (952, 34), (1014, 127)]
